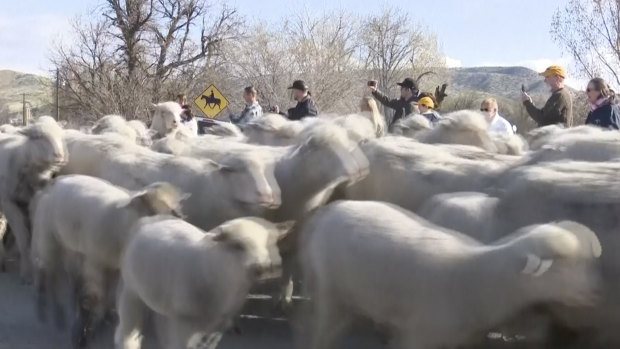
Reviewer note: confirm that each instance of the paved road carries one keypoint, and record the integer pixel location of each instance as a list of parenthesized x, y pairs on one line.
[(19, 328)]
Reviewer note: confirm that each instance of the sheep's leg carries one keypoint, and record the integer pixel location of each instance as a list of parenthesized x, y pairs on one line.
[(47, 281), (131, 312), (19, 228), (284, 297), (91, 306), (330, 321), (3, 229), (185, 334)]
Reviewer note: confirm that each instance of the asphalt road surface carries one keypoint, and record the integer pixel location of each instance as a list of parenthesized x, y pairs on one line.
[(20, 329)]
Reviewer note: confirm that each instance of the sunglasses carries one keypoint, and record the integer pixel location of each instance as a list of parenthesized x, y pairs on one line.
[(591, 89), (485, 109)]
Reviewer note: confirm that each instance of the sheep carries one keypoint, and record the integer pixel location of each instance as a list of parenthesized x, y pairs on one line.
[(541, 136), (273, 129), (325, 157), (470, 213), (411, 126), (28, 160), (591, 145), (202, 282), (166, 118), (471, 128), (358, 126), (586, 192), (116, 124), (229, 188), (143, 136), (435, 288), (90, 218), (407, 173), (225, 129), (8, 128)]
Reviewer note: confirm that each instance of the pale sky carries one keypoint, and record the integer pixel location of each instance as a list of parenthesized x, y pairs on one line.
[(471, 32)]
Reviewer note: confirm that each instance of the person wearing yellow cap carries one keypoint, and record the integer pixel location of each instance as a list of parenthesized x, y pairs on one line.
[(559, 107), (426, 107)]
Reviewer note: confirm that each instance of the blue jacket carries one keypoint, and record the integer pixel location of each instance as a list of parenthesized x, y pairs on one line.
[(605, 116)]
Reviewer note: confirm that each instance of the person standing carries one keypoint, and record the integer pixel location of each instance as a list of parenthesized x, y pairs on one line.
[(559, 107), (403, 106), (252, 110), (426, 106), (497, 123), (305, 104), (187, 119), (604, 111)]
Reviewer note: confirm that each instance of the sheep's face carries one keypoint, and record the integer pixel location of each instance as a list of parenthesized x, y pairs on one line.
[(254, 241), (252, 181), (334, 157), (167, 118), (46, 149)]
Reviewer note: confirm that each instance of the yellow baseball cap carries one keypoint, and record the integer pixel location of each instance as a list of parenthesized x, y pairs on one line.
[(554, 70), (427, 102)]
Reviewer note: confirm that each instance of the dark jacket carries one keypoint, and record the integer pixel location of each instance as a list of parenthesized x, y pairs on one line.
[(305, 107), (605, 116), (401, 106), (557, 110)]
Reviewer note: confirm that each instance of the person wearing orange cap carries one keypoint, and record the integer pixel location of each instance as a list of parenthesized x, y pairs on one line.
[(426, 107), (559, 107)]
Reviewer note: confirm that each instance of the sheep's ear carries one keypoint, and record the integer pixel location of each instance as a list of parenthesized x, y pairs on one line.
[(535, 266), (153, 105)]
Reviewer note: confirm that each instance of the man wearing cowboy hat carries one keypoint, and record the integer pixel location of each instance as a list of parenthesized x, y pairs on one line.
[(559, 107), (409, 95), (305, 105)]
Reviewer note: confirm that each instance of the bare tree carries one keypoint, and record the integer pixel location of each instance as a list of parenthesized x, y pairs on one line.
[(394, 46), (124, 59), (590, 32)]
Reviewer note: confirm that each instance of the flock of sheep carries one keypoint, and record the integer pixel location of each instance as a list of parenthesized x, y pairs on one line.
[(436, 235)]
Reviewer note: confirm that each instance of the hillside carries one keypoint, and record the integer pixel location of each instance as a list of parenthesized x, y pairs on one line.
[(500, 81), (13, 85)]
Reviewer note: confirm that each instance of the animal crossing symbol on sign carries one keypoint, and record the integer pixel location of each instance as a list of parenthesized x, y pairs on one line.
[(211, 102)]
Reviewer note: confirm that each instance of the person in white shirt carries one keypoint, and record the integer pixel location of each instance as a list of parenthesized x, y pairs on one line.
[(497, 123), (189, 120)]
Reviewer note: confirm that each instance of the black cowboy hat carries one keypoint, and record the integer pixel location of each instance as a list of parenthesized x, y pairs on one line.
[(408, 83), (298, 85)]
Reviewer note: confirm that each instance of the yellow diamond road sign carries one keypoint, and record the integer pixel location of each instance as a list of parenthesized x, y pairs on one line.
[(211, 102)]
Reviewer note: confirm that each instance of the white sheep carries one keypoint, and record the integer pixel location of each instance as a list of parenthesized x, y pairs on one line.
[(90, 218), (470, 213), (541, 136), (8, 128), (202, 279), (358, 126), (115, 124), (586, 192), (166, 118), (28, 160), (225, 129), (325, 157), (435, 288), (232, 187), (411, 126), (590, 144), (143, 136), (273, 129), (407, 173), (471, 128)]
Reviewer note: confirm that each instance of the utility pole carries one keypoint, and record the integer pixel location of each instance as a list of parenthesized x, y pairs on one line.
[(24, 116), (57, 94)]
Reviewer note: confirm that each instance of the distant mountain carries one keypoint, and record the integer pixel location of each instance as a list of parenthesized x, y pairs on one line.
[(13, 85), (500, 81)]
